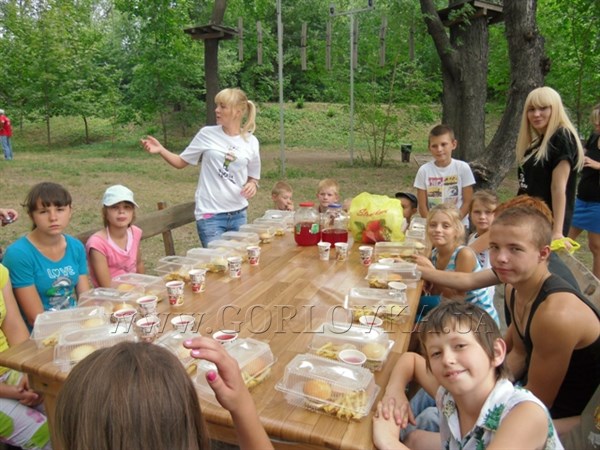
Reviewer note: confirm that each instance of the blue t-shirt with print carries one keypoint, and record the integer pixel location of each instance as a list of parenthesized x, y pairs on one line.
[(55, 281)]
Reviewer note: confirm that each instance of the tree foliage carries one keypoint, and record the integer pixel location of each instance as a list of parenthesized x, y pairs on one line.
[(129, 60)]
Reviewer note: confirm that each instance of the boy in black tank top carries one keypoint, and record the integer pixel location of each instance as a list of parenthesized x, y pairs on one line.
[(554, 337)]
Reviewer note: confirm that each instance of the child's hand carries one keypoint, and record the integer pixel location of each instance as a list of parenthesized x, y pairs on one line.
[(399, 408), (423, 262), (8, 216), (151, 145), (227, 383)]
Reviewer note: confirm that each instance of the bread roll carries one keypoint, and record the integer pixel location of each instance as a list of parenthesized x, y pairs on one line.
[(317, 389), (80, 352), (373, 350)]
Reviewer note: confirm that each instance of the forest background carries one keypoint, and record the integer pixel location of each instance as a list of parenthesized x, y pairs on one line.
[(82, 80)]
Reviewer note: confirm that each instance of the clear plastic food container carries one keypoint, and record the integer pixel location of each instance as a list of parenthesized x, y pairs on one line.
[(377, 302), (330, 387), (50, 324), (242, 236), (265, 232), (418, 238), (235, 247), (331, 338), (176, 268), (255, 359), (173, 341), (286, 216), (211, 259), (379, 275), (394, 250), (110, 298), (279, 225), (150, 284), (75, 345), (418, 223)]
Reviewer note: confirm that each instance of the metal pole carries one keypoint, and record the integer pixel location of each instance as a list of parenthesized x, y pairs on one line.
[(280, 74), (351, 90)]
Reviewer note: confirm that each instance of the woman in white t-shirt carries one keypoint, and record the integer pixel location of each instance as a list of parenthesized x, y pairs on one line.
[(230, 165)]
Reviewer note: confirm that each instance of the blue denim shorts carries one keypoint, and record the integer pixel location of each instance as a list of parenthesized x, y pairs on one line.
[(212, 227)]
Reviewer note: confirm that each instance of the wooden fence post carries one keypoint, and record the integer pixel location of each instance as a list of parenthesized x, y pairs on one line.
[(167, 236), (303, 45)]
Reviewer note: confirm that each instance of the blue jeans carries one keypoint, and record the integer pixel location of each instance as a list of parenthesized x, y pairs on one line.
[(211, 228), (5, 141)]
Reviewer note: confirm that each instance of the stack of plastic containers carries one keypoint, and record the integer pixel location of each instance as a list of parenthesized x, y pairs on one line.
[(110, 298), (150, 284), (50, 324), (379, 275), (211, 259)]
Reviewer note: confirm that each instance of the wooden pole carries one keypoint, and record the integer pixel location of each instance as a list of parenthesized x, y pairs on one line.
[(167, 236), (303, 45), (259, 43), (328, 46), (240, 39), (382, 33)]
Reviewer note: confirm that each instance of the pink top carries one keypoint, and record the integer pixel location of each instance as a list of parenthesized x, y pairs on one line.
[(119, 261)]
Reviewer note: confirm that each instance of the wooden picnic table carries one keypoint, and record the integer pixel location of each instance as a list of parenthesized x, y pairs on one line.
[(289, 293)]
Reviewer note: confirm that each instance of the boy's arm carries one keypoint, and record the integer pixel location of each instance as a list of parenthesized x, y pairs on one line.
[(456, 280), (467, 196), (422, 201), (511, 433), (551, 356)]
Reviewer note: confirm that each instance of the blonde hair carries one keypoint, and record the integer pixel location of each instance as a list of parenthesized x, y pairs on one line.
[(280, 187), (539, 98), (486, 197), (454, 216), (595, 115), (237, 98), (328, 183)]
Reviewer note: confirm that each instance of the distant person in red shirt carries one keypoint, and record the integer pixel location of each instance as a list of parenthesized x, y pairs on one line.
[(5, 135)]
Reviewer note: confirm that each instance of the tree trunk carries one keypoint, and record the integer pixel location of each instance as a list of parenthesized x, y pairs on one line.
[(211, 63), (87, 130), (464, 59), (528, 67)]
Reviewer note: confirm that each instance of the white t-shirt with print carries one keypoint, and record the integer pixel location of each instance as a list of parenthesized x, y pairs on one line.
[(445, 184), (227, 162)]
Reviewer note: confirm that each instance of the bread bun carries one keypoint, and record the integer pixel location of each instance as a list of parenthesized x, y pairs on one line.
[(317, 389), (80, 352), (373, 350)]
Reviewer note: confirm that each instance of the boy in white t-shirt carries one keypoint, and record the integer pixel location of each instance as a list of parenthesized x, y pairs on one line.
[(444, 180)]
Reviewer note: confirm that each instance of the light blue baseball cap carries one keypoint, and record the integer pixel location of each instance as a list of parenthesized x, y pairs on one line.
[(116, 194)]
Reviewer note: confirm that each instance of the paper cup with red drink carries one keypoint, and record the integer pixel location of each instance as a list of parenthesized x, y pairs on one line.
[(341, 251), (366, 254), (324, 249), (253, 254), (234, 263)]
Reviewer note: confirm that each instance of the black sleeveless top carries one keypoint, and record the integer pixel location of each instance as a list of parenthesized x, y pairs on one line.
[(583, 374)]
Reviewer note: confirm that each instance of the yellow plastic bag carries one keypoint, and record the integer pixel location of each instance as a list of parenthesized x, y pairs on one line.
[(375, 218)]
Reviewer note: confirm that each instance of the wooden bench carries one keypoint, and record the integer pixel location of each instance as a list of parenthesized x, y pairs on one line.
[(159, 222)]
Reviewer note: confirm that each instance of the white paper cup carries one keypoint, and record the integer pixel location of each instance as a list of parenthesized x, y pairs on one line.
[(198, 280), (397, 289), (147, 304), (352, 356), (371, 321), (341, 251), (234, 263), (253, 255), (225, 336), (175, 292), (324, 249), (183, 323), (366, 254), (148, 328), (125, 316)]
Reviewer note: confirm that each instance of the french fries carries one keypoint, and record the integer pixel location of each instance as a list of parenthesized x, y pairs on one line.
[(348, 406)]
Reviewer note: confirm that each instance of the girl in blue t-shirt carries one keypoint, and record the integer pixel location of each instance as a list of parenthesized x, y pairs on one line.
[(48, 268)]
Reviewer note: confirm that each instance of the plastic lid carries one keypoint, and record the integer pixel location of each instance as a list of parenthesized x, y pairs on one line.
[(334, 205), (307, 204)]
